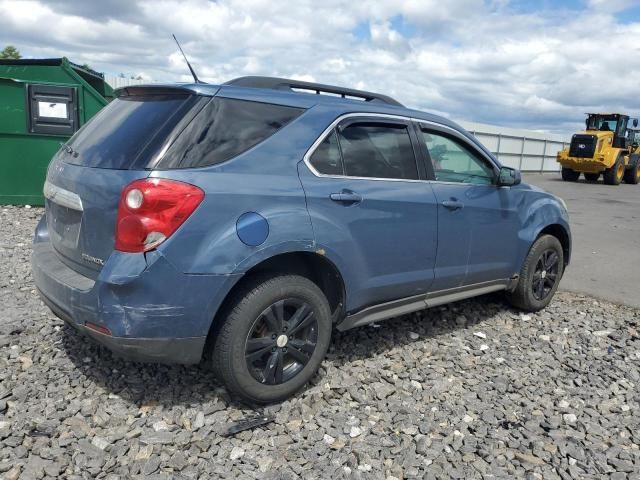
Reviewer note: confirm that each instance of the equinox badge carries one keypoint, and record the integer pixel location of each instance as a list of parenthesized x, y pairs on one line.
[(89, 258)]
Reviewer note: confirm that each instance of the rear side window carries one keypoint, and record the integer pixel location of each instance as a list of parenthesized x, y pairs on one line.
[(378, 150), (327, 159), (119, 134), (224, 129)]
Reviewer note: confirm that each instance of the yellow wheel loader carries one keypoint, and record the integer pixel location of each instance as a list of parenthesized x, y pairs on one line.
[(608, 147)]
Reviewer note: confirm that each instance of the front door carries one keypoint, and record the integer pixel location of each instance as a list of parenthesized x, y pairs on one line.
[(478, 222), (372, 211)]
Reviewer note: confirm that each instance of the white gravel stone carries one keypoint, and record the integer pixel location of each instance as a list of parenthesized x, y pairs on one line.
[(328, 439), (236, 453), (161, 426), (602, 333), (100, 442)]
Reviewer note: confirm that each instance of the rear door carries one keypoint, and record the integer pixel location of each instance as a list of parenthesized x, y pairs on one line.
[(478, 222), (371, 209), (86, 177)]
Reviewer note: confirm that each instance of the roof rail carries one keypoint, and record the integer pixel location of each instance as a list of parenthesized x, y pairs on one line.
[(274, 83)]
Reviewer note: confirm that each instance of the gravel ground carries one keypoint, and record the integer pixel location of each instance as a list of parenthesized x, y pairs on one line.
[(471, 390)]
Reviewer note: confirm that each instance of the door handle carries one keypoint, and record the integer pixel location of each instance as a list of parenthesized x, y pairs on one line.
[(346, 197), (453, 204)]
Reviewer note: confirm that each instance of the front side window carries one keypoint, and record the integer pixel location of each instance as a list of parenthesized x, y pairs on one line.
[(377, 150), (453, 162), (224, 129)]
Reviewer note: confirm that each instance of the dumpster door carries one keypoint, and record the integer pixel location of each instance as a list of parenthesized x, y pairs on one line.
[(53, 110)]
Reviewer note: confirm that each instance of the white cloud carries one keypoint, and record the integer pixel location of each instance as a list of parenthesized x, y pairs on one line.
[(472, 59), (612, 5)]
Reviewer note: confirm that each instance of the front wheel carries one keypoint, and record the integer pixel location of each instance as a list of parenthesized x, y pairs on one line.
[(540, 275), (569, 175), (613, 175), (274, 338)]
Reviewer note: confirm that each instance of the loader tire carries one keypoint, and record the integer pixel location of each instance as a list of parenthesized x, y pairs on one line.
[(569, 175), (614, 175), (632, 173)]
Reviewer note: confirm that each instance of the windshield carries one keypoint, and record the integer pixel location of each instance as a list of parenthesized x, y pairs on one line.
[(604, 124), (120, 135)]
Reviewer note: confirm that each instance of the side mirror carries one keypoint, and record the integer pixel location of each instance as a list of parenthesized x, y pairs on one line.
[(509, 177), (635, 122)]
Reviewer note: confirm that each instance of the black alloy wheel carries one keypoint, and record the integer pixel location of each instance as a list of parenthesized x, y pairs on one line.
[(281, 341), (545, 274), (273, 336), (540, 275)]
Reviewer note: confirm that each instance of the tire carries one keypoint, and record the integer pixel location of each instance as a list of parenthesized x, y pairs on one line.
[(632, 174), (569, 175), (526, 295), (614, 175), (591, 177), (252, 353)]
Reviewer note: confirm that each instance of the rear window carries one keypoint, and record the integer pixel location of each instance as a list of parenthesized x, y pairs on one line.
[(120, 135), (224, 129)]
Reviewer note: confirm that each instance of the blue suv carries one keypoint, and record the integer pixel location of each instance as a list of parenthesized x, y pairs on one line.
[(240, 224)]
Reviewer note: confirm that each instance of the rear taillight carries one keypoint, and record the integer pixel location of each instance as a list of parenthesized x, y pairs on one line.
[(150, 210)]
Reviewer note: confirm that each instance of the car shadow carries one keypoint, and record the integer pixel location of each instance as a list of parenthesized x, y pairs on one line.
[(372, 340), (169, 385)]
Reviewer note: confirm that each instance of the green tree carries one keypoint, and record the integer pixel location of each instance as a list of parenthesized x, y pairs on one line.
[(10, 52), (86, 66)]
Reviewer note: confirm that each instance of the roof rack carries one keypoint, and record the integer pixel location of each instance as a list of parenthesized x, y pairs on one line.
[(274, 83)]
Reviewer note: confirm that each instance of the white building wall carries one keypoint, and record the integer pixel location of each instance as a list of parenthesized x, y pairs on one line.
[(118, 82), (528, 150)]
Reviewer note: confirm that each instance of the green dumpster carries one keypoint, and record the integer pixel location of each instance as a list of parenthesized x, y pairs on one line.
[(42, 103)]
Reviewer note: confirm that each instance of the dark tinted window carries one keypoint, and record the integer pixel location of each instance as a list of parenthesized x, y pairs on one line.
[(224, 129), (377, 150), (117, 136), (326, 159)]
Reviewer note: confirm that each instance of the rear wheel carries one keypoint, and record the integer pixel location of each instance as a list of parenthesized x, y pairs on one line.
[(569, 175), (591, 177), (613, 175), (274, 338), (540, 275), (632, 174)]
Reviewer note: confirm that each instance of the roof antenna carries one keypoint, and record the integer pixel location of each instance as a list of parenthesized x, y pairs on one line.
[(195, 77)]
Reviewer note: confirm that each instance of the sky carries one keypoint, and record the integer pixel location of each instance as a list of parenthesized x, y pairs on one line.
[(514, 63)]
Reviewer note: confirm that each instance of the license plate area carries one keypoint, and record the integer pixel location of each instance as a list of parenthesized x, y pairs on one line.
[(64, 225)]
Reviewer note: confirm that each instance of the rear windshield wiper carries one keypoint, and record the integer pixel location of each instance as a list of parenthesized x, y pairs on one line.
[(69, 149)]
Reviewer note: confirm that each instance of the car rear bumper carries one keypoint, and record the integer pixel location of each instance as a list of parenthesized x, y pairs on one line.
[(155, 350), (153, 312)]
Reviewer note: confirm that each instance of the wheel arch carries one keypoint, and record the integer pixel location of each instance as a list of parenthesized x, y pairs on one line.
[(560, 232), (310, 264)]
